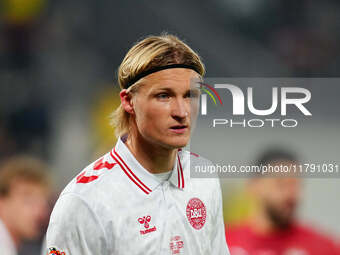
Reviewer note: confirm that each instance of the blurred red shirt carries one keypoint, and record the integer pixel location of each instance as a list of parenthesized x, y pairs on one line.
[(297, 240)]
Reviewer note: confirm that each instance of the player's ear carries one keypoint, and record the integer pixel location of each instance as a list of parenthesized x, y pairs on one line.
[(126, 101)]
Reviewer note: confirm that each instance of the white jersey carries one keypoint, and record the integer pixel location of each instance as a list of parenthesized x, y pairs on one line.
[(116, 207), (6, 243)]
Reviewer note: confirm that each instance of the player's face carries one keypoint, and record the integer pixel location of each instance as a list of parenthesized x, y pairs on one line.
[(26, 208), (163, 109), (279, 198)]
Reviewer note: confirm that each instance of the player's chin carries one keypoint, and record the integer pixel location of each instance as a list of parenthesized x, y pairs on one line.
[(176, 142)]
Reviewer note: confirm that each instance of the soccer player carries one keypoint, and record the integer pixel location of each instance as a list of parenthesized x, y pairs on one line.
[(139, 197), (273, 228), (24, 192)]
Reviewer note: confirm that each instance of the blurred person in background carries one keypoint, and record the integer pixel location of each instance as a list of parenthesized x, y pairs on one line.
[(273, 228), (24, 193)]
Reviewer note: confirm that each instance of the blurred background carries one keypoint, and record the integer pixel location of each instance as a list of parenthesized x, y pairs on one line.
[(58, 63)]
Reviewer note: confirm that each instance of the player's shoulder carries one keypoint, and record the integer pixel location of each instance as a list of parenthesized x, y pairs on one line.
[(192, 156), (237, 233), (93, 178), (194, 160), (194, 164), (313, 234), (97, 189), (239, 229)]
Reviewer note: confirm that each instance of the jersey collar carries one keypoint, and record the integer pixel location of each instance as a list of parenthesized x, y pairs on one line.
[(141, 177)]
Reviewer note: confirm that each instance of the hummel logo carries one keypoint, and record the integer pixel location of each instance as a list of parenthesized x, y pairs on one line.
[(145, 222)]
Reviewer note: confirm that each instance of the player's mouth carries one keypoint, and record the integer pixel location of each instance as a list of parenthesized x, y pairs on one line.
[(179, 129)]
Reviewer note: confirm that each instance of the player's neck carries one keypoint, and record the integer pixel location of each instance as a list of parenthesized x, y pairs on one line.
[(153, 158)]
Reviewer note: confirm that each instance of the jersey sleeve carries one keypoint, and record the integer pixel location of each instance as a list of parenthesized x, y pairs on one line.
[(219, 244), (75, 229)]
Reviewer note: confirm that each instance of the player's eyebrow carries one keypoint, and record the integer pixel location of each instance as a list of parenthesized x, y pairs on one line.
[(191, 91), (163, 89)]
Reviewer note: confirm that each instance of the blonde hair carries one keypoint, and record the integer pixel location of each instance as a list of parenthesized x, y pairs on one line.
[(22, 168), (151, 52)]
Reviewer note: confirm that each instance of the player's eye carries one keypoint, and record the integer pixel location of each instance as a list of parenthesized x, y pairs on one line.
[(163, 95)]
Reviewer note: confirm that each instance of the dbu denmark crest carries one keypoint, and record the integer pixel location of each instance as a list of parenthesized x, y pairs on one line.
[(196, 213)]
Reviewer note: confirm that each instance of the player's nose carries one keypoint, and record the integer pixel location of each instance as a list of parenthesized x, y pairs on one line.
[(180, 108)]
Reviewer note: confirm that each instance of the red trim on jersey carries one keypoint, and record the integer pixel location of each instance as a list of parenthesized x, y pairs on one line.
[(178, 179), (195, 154), (86, 179), (147, 190), (100, 164), (180, 166)]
